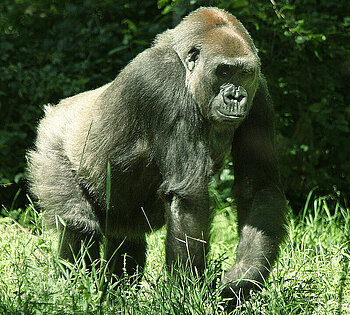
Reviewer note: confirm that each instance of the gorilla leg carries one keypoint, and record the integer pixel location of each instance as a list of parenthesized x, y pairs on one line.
[(66, 207), (126, 255)]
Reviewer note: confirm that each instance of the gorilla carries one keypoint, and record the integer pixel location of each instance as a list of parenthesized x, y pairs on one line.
[(165, 126)]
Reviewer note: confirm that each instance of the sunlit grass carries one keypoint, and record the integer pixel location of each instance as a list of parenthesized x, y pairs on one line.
[(311, 277)]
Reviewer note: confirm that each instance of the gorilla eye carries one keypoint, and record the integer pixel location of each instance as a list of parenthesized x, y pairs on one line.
[(224, 71), (248, 71)]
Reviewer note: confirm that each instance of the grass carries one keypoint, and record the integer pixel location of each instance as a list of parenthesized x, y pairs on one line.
[(311, 276)]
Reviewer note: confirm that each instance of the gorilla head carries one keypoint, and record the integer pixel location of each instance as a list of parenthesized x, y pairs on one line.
[(221, 62), (166, 124)]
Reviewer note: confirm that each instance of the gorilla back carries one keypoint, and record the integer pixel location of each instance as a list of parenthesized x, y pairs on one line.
[(166, 124)]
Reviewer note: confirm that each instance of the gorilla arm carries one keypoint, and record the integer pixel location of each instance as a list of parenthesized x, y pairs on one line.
[(186, 168), (261, 204), (187, 232)]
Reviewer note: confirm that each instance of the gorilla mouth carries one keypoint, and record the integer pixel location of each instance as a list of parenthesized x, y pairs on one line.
[(234, 105), (231, 115)]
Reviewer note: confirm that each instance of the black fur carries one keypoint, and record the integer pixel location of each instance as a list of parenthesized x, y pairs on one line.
[(166, 127)]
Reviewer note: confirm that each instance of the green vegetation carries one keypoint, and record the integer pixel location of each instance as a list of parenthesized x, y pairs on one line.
[(54, 49), (311, 276)]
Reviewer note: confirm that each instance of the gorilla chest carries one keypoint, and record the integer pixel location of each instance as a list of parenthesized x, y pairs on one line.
[(220, 143), (133, 198)]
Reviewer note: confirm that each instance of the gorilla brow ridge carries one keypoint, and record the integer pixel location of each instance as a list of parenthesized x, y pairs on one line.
[(243, 65)]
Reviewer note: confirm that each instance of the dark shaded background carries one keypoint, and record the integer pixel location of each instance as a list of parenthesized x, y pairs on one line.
[(50, 50)]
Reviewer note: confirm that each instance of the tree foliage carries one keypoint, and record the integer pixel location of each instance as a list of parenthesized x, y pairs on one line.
[(54, 49)]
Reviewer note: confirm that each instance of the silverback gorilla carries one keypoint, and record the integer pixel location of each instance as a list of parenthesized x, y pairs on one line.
[(166, 124)]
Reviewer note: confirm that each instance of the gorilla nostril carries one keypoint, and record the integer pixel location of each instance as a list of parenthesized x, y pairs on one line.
[(230, 96), (233, 94), (240, 98)]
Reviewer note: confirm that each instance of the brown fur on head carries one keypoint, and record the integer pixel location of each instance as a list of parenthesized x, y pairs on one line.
[(200, 26), (208, 41)]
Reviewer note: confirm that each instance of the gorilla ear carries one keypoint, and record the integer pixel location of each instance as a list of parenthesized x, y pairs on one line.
[(192, 58)]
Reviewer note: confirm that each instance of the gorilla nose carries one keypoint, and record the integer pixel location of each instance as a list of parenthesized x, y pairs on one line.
[(235, 98)]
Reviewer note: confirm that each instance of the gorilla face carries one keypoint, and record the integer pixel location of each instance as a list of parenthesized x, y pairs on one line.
[(234, 99), (222, 75)]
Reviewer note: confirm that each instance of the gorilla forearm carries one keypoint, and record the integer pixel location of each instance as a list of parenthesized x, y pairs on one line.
[(187, 200), (268, 212), (261, 229), (187, 232), (265, 210), (255, 255)]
